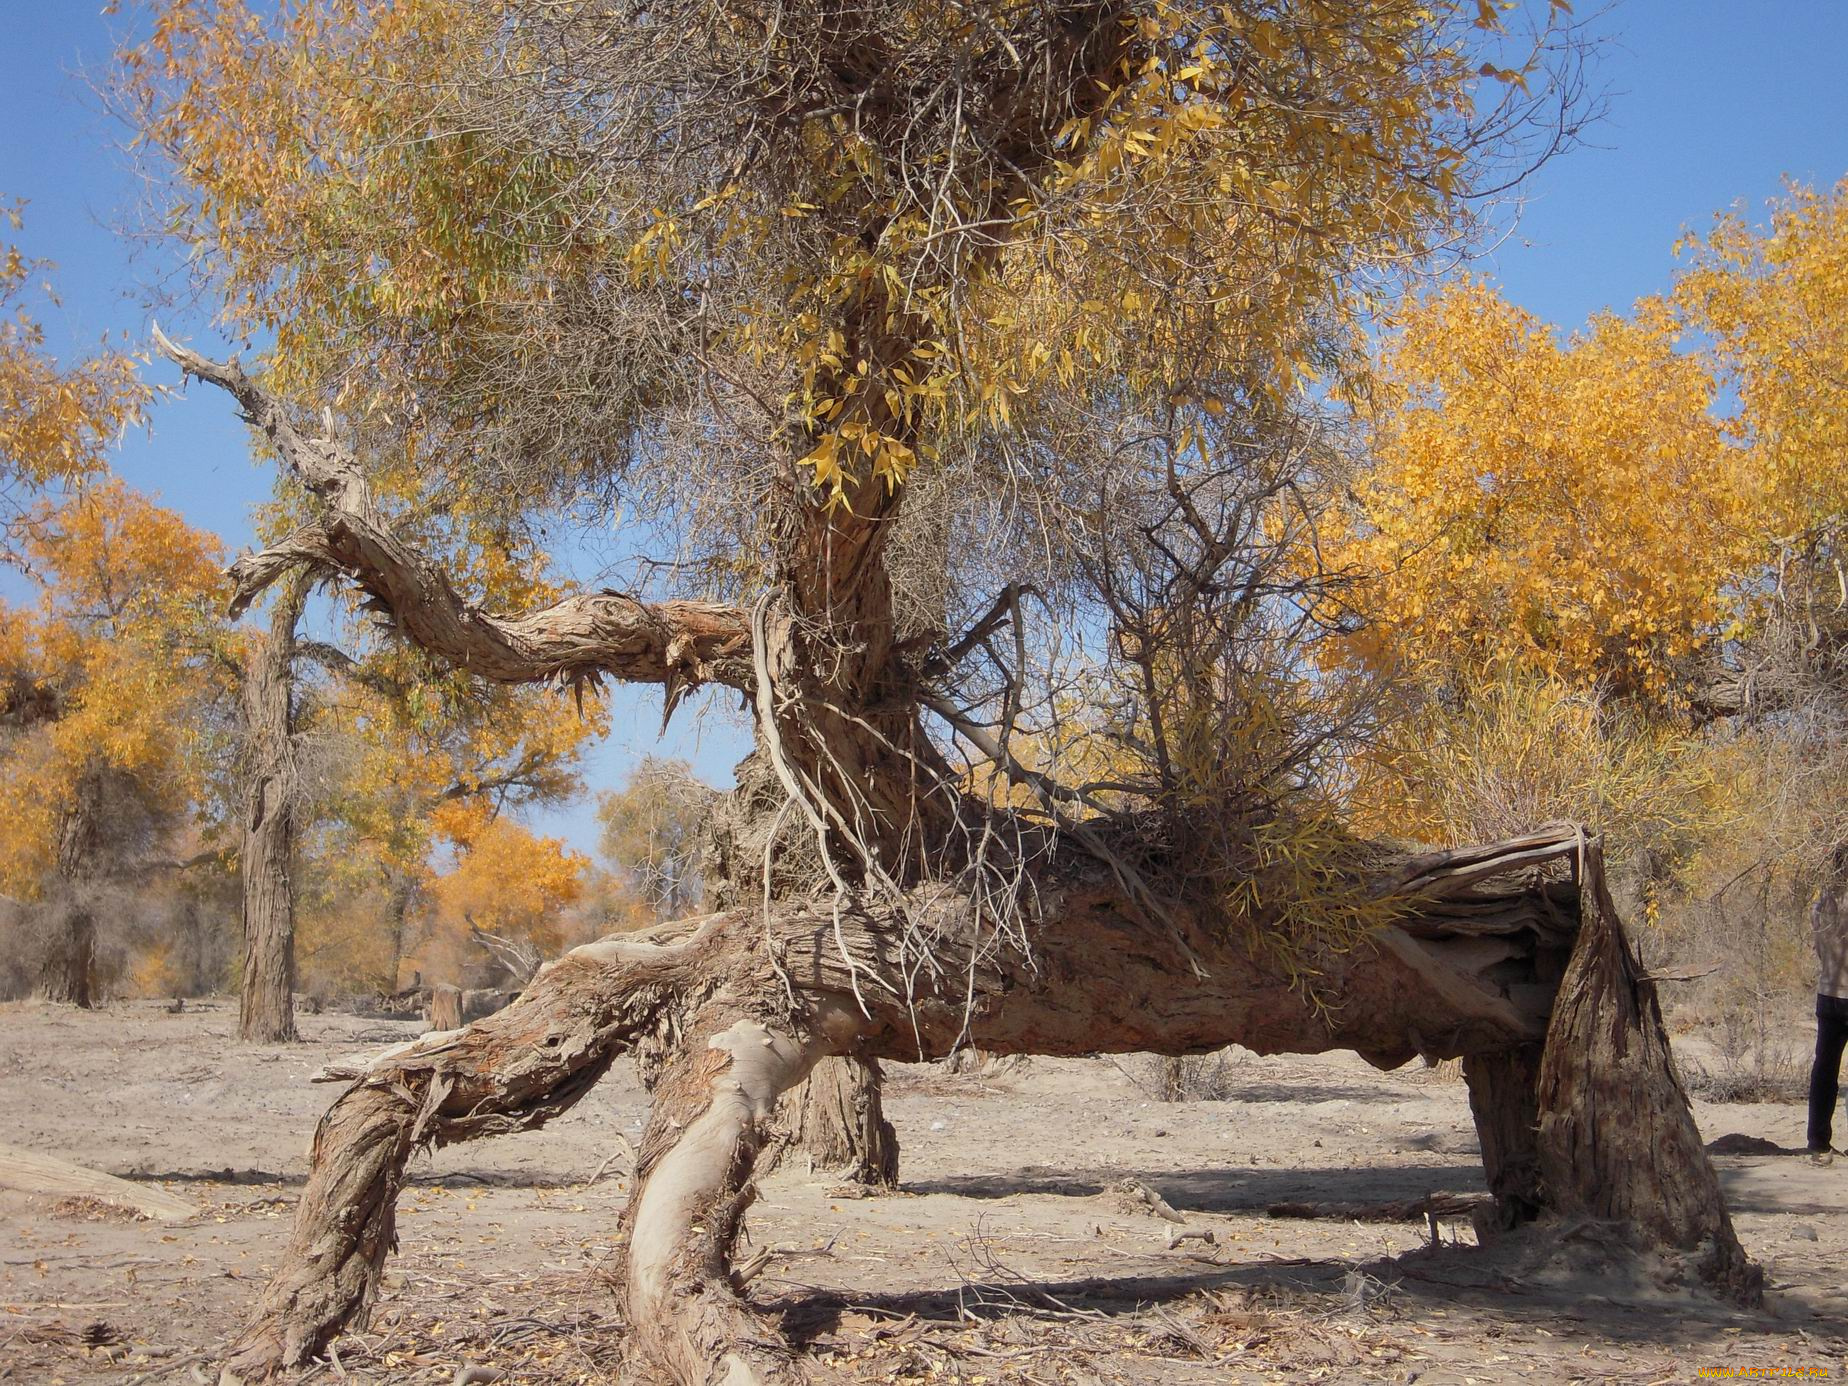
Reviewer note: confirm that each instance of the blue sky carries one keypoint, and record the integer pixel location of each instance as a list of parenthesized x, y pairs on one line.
[(1713, 103)]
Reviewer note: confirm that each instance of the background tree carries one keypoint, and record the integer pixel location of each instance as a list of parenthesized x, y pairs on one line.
[(56, 422), (1770, 305), (1570, 509), (505, 882), (118, 674), (266, 1002), (410, 762), (652, 832)]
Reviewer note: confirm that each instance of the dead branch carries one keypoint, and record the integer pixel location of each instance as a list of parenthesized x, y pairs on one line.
[(677, 643)]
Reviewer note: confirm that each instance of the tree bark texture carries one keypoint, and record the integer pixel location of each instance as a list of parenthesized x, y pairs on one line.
[(836, 1116), (266, 1002), (1616, 1135), (1456, 976), (68, 972), (1504, 1099)]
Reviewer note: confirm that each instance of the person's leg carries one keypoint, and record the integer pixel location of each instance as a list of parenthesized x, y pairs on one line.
[(1825, 1073)]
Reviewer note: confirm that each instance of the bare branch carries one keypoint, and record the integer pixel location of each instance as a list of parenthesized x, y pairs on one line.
[(580, 639)]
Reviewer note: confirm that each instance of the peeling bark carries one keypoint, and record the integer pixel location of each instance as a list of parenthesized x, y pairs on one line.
[(513, 1071), (712, 1115), (1617, 1138)]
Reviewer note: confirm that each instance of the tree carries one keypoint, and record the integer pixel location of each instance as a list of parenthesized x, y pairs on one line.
[(56, 423), (112, 678), (960, 364), (1561, 509), (1770, 306), (266, 1001), (507, 883), (404, 750), (1544, 544), (651, 833)]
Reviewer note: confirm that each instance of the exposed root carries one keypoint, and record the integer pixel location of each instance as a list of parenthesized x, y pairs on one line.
[(712, 1117), (512, 1071)]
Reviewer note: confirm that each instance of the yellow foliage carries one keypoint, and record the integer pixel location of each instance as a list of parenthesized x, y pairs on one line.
[(1774, 303), (56, 424), (1189, 224), (506, 880), (124, 633), (1568, 508), (343, 941), (153, 971)]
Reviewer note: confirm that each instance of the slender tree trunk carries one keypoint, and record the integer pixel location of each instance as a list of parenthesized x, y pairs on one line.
[(266, 1006), (836, 1115), (397, 910), (68, 972)]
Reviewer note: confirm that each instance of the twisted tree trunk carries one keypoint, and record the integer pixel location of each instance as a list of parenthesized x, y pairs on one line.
[(1461, 973), (917, 942), (266, 1002)]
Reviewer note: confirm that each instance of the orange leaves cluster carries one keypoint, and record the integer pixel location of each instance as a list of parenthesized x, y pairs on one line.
[(1571, 508), (125, 632), (56, 423), (1774, 305), (506, 879)]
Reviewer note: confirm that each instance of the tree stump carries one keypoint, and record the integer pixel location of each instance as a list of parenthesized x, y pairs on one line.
[(445, 1007)]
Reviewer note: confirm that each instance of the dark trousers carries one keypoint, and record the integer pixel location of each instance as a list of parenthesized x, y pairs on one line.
[(1825, 1076)]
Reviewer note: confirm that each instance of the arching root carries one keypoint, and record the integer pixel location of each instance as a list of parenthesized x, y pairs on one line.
[(512, 1071), (712, 1117)]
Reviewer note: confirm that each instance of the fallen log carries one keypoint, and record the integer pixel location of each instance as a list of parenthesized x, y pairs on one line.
[(32, 1172)]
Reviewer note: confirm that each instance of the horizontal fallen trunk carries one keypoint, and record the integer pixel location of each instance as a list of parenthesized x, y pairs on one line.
[(31, 1172), (745, 1004)]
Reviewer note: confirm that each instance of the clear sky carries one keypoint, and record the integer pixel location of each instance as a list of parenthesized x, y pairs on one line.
[(1713, 103)]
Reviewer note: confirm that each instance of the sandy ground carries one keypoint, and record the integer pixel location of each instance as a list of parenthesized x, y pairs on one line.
[(1003, 1259)]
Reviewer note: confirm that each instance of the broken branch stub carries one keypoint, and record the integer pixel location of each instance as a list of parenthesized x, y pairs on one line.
[(677, 643)]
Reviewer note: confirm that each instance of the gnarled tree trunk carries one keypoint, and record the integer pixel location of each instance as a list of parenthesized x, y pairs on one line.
[(918, 943), (266, 1003), (1461, 973)]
